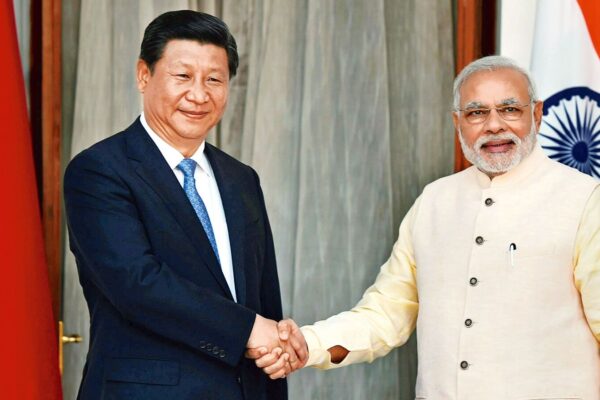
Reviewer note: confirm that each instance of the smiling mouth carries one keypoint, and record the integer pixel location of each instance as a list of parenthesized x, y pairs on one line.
[(194, 114), (498, 146)]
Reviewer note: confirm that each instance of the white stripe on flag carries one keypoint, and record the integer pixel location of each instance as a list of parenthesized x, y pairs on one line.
[(566, 68)]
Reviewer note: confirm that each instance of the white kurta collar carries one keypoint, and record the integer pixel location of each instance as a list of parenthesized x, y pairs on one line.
[(528, 166)]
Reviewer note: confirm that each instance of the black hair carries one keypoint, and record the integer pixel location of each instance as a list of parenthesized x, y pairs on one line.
[(187, 25)]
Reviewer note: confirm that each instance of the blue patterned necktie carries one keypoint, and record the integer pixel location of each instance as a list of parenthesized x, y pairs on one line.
[(188, 166)]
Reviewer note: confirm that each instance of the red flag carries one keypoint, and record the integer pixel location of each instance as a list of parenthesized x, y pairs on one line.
[(28, 338)]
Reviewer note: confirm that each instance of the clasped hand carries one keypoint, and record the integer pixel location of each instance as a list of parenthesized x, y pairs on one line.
[(277, 348)]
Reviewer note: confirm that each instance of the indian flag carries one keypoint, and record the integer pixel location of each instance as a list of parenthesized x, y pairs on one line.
[(565, 64)]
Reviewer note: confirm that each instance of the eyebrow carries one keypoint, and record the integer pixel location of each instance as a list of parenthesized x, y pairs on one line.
[(474, 104), (477, 104), (508, 102), (180, 63)]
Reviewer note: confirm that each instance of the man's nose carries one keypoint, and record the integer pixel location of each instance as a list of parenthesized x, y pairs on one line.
[(494, 122), (198, 93)]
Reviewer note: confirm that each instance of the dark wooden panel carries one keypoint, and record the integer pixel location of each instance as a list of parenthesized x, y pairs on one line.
[(51, 130), (475, 38)]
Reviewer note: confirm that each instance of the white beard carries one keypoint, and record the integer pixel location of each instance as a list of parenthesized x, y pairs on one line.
[(498, 163)]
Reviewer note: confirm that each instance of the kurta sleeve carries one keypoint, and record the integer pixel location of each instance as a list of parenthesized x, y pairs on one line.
[(383, 319), (587, 261)]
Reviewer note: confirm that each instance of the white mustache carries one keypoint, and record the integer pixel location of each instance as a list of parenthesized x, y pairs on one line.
[(482, 140)]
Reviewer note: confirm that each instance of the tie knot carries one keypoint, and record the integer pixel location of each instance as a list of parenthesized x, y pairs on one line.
[(187, 166)]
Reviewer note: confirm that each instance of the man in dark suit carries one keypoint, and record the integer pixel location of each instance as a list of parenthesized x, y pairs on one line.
[(171, 236)]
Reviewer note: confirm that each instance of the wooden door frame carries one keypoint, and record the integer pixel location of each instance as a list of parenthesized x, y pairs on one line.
[(45, 115), (475, 37)]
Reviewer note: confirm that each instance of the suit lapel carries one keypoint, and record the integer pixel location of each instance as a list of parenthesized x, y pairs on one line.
[(232, 205), (151, 166)]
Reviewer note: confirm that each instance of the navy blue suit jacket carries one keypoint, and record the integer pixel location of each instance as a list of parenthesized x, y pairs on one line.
[(164, 324)]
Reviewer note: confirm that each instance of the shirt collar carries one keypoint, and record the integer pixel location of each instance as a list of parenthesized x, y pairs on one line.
[(171, 155)]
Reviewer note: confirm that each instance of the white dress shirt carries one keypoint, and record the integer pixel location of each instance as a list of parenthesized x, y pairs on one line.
[(207, 188)]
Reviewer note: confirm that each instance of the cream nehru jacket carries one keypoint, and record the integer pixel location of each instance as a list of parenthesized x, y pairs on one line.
[(491, 325), (494, 328)]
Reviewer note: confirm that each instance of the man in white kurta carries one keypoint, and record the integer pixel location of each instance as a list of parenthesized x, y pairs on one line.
[(498, 265)]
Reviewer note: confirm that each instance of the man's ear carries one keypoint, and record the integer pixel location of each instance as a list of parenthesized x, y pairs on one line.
[(143, 75), (538, 111)]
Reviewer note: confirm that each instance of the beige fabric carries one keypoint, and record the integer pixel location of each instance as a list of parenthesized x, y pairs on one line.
[(529, 336)]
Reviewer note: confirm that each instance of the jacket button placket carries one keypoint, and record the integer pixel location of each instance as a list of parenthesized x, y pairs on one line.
[(468, 335)]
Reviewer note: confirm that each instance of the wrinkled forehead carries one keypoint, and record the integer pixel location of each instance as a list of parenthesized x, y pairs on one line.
[(494, 88)]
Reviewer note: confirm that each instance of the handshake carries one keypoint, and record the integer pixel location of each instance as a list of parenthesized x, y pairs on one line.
[(277, 348)]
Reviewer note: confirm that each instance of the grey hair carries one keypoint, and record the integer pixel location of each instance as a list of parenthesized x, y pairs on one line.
[(490, 63)]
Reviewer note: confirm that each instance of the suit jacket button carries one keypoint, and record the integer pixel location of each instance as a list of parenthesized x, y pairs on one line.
[(468, 322), (489, 202), (202, 344), (239, 380), (479, 240), (473, 281), (209, 347), (222, 354), (464, 364)]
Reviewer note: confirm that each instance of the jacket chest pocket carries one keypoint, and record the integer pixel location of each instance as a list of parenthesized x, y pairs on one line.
[(527, 249)]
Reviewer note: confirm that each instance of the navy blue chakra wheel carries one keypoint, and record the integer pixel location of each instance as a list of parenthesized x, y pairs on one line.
[(570, 130)]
